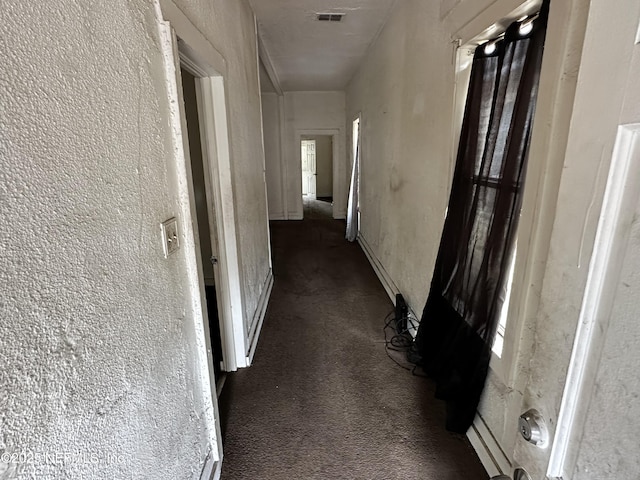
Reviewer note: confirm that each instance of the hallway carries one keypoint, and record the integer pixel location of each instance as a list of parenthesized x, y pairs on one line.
[(322, 400)]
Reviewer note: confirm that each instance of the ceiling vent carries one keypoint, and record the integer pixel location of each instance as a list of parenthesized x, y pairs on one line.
[(330, 17)]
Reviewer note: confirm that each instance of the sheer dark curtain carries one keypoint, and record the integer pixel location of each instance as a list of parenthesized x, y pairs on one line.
[(460, 317)]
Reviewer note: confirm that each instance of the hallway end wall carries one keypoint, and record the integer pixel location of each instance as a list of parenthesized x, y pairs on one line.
[(285, 119), (315, 111)]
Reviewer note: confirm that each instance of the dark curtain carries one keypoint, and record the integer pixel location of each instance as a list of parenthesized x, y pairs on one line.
[(460, 317)]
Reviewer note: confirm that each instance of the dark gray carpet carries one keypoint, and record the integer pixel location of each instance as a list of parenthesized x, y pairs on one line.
[(322, 400)]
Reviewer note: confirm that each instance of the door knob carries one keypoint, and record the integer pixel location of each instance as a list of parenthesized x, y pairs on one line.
[(533, 428), (521, 474)]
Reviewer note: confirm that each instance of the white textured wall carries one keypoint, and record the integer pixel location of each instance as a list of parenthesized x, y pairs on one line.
[(608, 95), (313, 111), (272, 154), (101, 348), (404, 92), (229, 26)]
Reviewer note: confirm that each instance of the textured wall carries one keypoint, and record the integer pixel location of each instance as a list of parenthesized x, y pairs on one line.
[(101, 342), (313, 111), (609, 96), (404, 92), (229, 26), (272, 154)]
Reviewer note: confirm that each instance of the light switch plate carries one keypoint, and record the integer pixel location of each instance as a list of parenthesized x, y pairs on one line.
[(170, 240)]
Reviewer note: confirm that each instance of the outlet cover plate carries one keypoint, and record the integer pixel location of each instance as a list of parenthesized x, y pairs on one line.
[(170, 239)]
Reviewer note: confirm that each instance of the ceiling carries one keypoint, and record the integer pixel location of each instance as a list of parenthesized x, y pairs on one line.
[(305, 54)]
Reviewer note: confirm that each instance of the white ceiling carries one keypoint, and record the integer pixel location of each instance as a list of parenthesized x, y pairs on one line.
[(308, 55)]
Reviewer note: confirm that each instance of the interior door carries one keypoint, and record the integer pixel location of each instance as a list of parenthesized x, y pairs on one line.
[(308, 156)]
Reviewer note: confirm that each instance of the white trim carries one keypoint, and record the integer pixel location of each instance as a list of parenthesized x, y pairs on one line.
[(210, 468), (336, 136), (385, 279), (277, 216), (192, 41), (227, 233), (258, 318), (621, 195), (223, 272), (467, 32), (169, 48), (218, 471), (201, 58), (264, 158), (487, 448)]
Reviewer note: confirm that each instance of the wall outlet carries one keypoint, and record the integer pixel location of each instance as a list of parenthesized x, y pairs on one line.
[(170, 240)]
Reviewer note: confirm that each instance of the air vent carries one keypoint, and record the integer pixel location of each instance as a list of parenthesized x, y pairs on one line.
[(330, 17)]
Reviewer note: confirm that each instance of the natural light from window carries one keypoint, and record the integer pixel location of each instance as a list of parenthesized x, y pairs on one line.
[(498, 342)]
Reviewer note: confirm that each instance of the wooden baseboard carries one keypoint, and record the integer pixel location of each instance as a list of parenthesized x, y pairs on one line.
[(258, 318), (385, 279), (487, 448)]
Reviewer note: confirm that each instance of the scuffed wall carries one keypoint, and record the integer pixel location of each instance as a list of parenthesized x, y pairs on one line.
[(230, 28), (404, 92), (104, 370), (607, 97)]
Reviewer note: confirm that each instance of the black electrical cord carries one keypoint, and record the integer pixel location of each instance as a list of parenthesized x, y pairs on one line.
[(401, 342)]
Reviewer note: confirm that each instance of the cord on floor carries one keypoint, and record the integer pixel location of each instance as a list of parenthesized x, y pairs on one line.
[(400, 343)]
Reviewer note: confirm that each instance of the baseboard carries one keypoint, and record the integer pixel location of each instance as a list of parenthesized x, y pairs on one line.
[(487, 448), (258, 317), (295, 216), (211, 469), (340, 215), (277, 216), (385, 279)]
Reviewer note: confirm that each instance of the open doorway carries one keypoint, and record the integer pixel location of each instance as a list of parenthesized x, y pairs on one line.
[(205, 226), (316, 156)]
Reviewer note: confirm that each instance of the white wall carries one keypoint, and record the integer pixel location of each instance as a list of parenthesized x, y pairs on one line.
[(238, 45), (313, 113), (271, 121), (102, 339), (607, 97), (285, 119), (404, 91)]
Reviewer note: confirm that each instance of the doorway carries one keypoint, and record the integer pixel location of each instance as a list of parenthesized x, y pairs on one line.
[(316, 156), (205, 227)]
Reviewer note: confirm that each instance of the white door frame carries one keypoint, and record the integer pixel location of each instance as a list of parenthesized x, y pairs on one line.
[(334, 133), (198, 56), (621, 196)]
